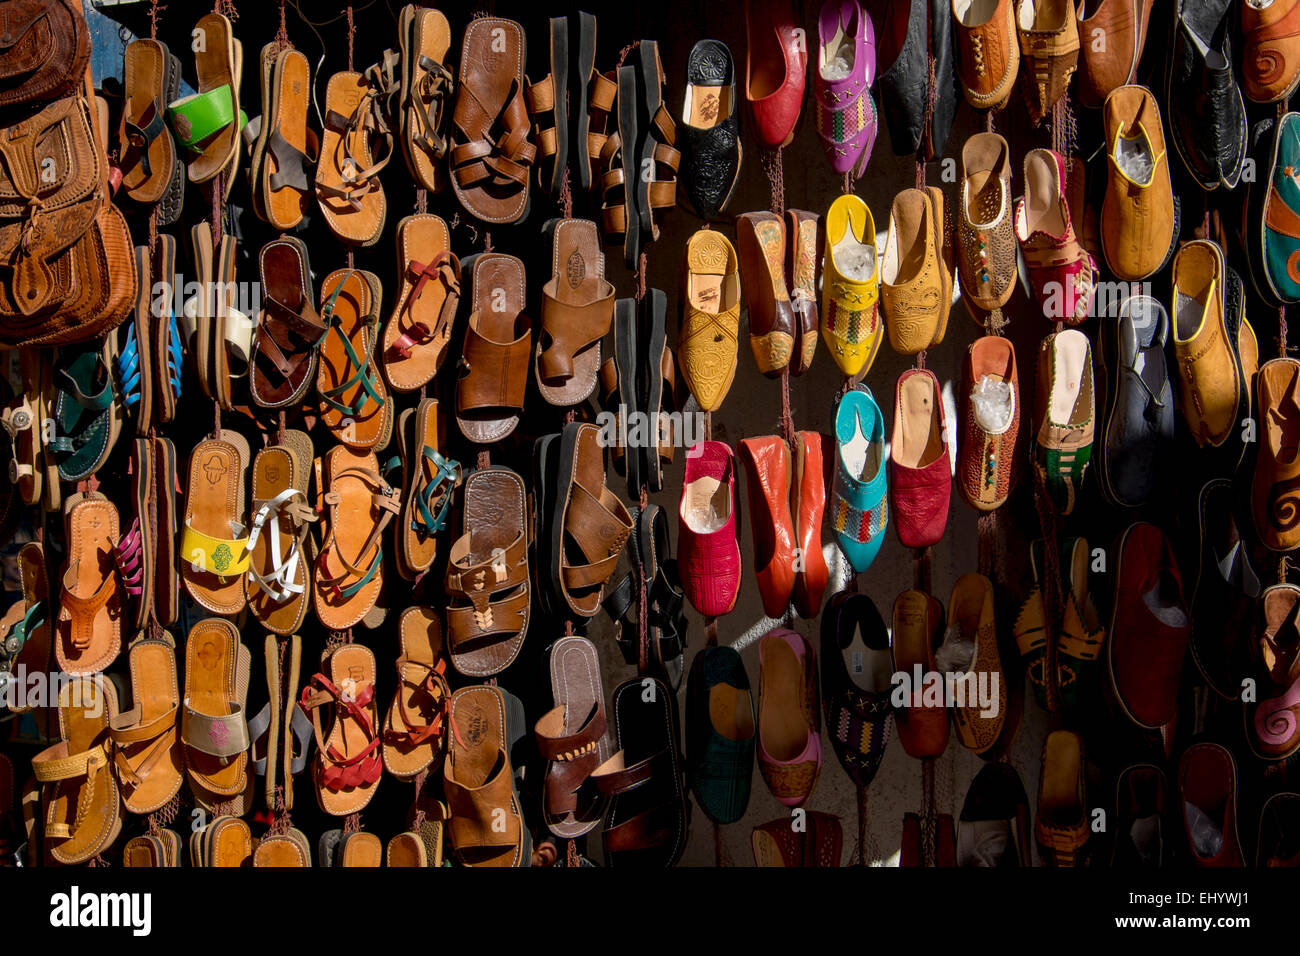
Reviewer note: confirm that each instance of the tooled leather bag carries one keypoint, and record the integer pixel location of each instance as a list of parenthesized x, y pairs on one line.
[(66, 271), (44, 48)]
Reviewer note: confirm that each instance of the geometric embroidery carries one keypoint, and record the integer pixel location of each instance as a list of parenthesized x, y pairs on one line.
[(860, 526)]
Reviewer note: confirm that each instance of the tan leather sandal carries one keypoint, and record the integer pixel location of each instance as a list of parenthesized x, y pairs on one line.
[(90, 606), (214, 729), (214, 542), (146, 755), (577, 312), (347, 766), (417, 332), (278, 583), (347, 176), (414, 731), (498, 345)]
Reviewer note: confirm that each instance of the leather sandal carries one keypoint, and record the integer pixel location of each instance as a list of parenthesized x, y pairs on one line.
[(427, 85), (214, 542), (150, 850), (577, 312), (347, 767), (406, 849), (479, 779), (166, 591), (602, 94), (618, 178), (414, 731), (90, 606), (491, 156), (214, 729), (290, 330), (87, 419), (548, 106), (659, 398), (354, 403), (430, 479), (289, 849), (199, 312), (572, 738), (280, 732), (83, 804), (25, 626), (148, 161), (146, 757), (620, 395), (232, 345), (22, 420), (165, 335), (349, 566), (278, 583), (487, 574), (208, 123), (283, 161), (417, 332), (133, 365), (498, 345), (136, 553), (656, 182), (225, 842), (361, 850), (347, 176)]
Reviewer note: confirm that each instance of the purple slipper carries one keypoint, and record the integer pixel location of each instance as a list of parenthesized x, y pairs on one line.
[(846, 66)]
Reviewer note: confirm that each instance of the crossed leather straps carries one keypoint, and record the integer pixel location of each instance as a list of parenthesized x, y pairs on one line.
[(500, 160), (339, 772), (369, 113)]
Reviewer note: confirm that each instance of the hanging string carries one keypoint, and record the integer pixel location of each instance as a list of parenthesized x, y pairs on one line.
[(862, 827), (352, 35), (155, 8), (787, 419), (773, 167), (282, 41)]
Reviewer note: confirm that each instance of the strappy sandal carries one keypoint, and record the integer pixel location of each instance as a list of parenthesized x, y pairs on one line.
[(151, 170), (619, 217), (547, 102), (427, 85), (414, 731), (593, 121), (354, 403), (347, 176), (165, 335), (278, 583), (349, 567), (135, 554), (90, 606), (214, 729), (290, 330), (429, 482), (87, 419), (572, 738), (22, 420), (577, 312), (491, 156), (417, 332), (487, 574), (659, 157), (498, 345), (282, 165), (214, 543), (208, 123), (347, 767), (25, 626), (145, 752), (279, 725), (84, 804), (659, 401), (166, 591)]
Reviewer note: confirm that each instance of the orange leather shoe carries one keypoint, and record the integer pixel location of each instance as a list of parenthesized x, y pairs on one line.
[(812, 454), (767, 473)]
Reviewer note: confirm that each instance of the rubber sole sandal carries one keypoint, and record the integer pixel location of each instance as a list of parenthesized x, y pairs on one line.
[(546, 470), (619, 215), (406, 849), (577, 312), (283, 850), (22, 421), (572, 739), (146, 755), (284, 176), (208, 122), (658, 372), (417, 332), (666, 620), (25, 628), (327, 848), (347, 766), (165, 334), (487, 582), (548, 105), (414, 731), (284, 347), (214, 729), (354, 402), (135, 553), (621, 395), (358, 505), (659, 158), (90, 606), (487, 827), (648, 812), (278, 583), (360, 850), (430, 481), (87, 418), (171, 203), (148, 154), (214, 541), (226, 842), (347, 182), (83, 815), (497, 349), (427, 85), (166, 585), (585, 83)]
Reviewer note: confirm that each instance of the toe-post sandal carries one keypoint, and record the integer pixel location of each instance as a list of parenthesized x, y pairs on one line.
[(208, 123), (22, 420), (572, 738), (214, 728), (25, 626), (214, 542), (348, 765), (146, 755), (414, 730), (417, 332), (278, 583), (577, 312), (87, 417), (547, 101), (354, 402), (283, 160), (151, 169), (89, 624), (427, 87), (347, 176), (290, 331), (498, 346), (430, 481)]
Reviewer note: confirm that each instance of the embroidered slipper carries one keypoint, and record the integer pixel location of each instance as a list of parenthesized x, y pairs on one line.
[(429, 482), (289, 849), (146, 757), (427, 86), (214, 542), (347, 767), (22, 421), (406, 849), (278, 583), (347, 175), (577, 312), (414, 731), (359, 505), (354, 403), (572, 739), (165, 333), (135, 554), (25, 626), (87, 418), (166, 591), (290, 329), (213, 726), (148, 160), (283, 170), (90, 606), (417, 332), (209, 121), (498, 346)]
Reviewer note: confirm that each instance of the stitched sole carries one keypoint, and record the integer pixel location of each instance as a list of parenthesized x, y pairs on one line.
[(657, 340), (628, 138), (586, 64), (649, 99), (625, 360), (560, 78), (173, 198)]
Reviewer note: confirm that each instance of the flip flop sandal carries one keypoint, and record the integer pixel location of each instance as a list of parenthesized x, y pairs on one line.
[(84, 809), (660, 375), (22, 421), (592, 527), (283, 850), (353, 401), (491, 156), (168, 351), (214, 729), (225, 842), (656, 191), (620, 395), (487, 575), (417, 332), (648, 811), (479, 780), (87, 420), (282, 181), (427, 86), (414, 730), (290, 329), (25, 626), (348, 766), (208, 122), (429, 484), (360, 505), (135, 554), (146, 757), (347, 176), (498, 345), (572, 739), (577, 312), (166, 592), (232, 349), (90, 606), (148, 161), (551, 125), (406, 849), (362, 850), (214, 542), (618, 211), (278, 583)]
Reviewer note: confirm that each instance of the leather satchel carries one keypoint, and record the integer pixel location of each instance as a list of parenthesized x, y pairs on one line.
[(44, 49)]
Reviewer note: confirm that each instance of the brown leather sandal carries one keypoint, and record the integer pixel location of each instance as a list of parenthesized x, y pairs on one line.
[(282, 171), (214, 543), (429, 480), (426, 86), (602, 93), (417, 332), (149, 163), (354, 402), (548, 105), (145, 749), (498, 345), (415, 732), (347, 767), (290, 330), (577, 312), (278, 583), (214, 728), (347, 176), (572, 738), (90, 607)]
